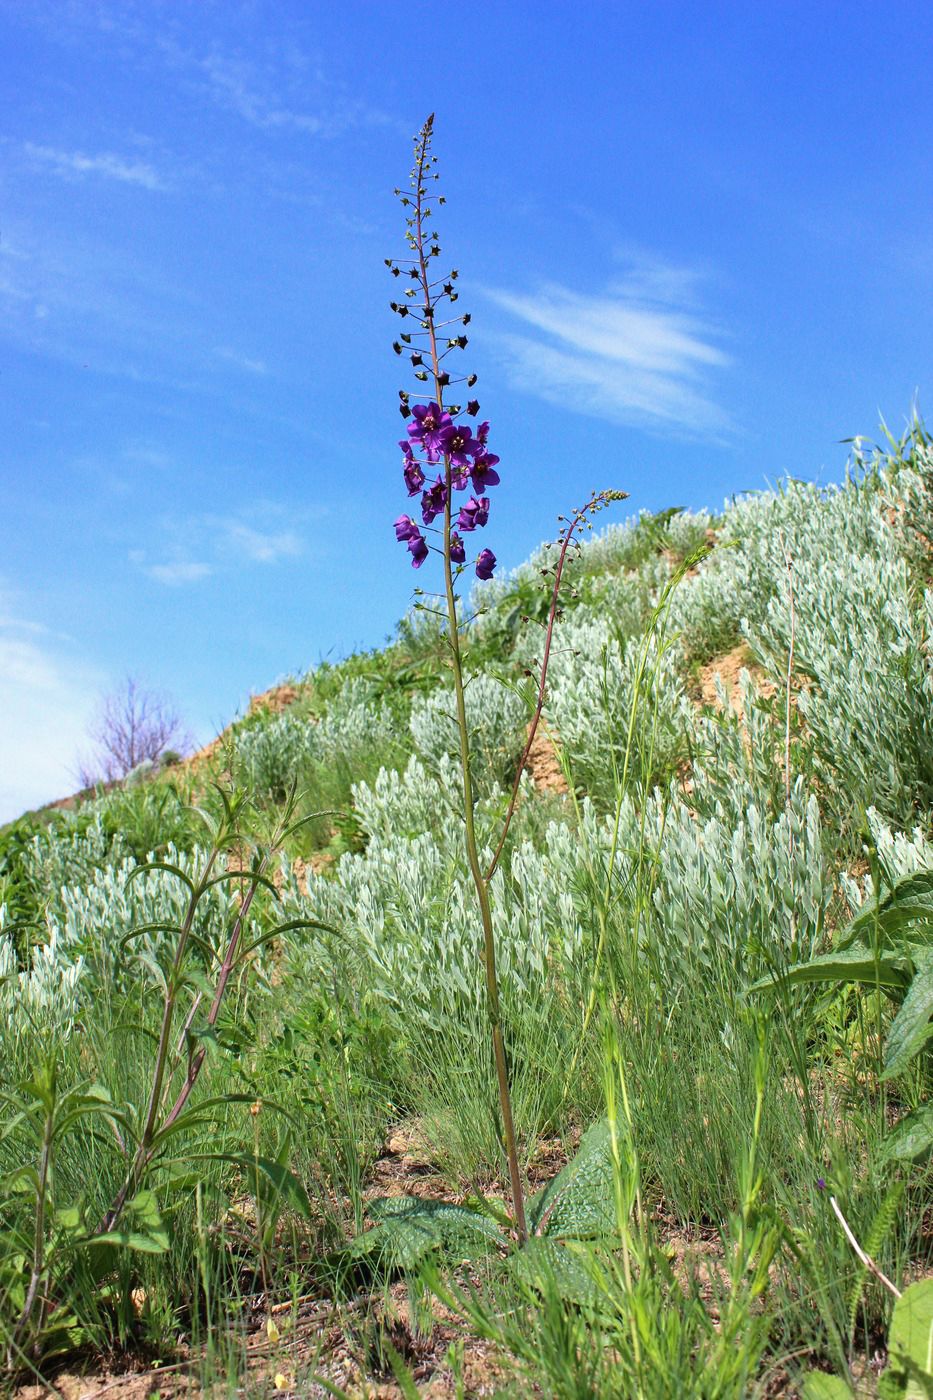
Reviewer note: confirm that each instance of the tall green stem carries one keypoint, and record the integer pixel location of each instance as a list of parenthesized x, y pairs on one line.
[(476, 871)]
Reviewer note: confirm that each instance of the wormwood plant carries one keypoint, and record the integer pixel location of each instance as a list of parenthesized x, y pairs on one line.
[(440, 440)]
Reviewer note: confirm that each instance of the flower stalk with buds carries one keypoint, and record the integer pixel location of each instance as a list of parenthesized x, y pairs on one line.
[(445, 461)]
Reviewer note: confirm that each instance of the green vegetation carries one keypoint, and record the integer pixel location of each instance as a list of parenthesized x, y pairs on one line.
[(715, 979)]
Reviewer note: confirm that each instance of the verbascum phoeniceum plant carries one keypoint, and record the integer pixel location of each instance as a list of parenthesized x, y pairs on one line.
[(448, 469)]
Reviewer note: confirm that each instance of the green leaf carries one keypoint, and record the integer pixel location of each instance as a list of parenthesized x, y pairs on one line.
[(910, 1029), (910, 1340), (131, 1239), (147, 1235), (852, 964), (547, 1264), (912, 1138), (149, 928), (407, 1228), (145, 1209), (579, 1203), (159, 865), (909, 900), (252, 877), (285, 1182), (286, 928), (400, 1371), (820, 1386)]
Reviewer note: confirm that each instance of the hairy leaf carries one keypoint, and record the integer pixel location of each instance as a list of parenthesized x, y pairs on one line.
[(579, 1202)]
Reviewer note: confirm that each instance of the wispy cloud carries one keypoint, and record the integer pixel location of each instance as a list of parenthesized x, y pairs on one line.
[(73, 164), (179, 572), (258, 546), (245, 362), (634, 354), (291, 92), (232, 83), (213, 544)]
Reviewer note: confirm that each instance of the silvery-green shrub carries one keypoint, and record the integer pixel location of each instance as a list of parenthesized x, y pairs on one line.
[(495, 717), (595, 680)]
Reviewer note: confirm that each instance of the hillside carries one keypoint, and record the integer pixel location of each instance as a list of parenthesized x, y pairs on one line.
[(737, 761)]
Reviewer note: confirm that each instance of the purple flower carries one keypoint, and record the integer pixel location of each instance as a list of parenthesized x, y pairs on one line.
[(418, 548), (414, 477), (475, 512), (405, 528), (457, 552), (482, 436), (460, 478), (457, 444), (411, 468), (433, 501), (820, 1184), (483, 473), (485, 563), (430, 420)]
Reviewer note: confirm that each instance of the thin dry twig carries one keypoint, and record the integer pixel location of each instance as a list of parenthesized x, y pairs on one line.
[(865, 1258)]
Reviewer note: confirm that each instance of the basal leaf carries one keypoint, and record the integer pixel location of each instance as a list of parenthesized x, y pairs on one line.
[(820, 1386), (407, 1228), (549, 1264), (579, 1202)]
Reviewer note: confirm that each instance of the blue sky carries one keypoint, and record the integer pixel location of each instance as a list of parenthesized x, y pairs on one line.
[(696, 240)]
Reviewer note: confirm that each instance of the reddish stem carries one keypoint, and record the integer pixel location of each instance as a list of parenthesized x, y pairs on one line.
[(542, 685)]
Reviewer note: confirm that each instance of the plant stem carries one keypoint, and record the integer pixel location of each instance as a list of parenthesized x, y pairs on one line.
[(144, 1148), (579, 516), (476, 871), (38, 1249)]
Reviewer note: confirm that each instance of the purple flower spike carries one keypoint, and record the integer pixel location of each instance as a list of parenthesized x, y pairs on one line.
[(418, 548), (483, 473), (405, 528), (457, 444), (430, 421), (485, 563), (457, 551), (433, 501), (474, 513)]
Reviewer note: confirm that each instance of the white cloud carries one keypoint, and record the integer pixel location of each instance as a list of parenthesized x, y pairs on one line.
[(47, 699), (287, 92), (179, 572), (113, 167), (211, 544), (259, 546), (232, 84), (244, 362), (632, 355)]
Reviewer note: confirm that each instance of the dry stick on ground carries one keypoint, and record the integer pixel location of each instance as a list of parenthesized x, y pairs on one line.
[(865, 1258)]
